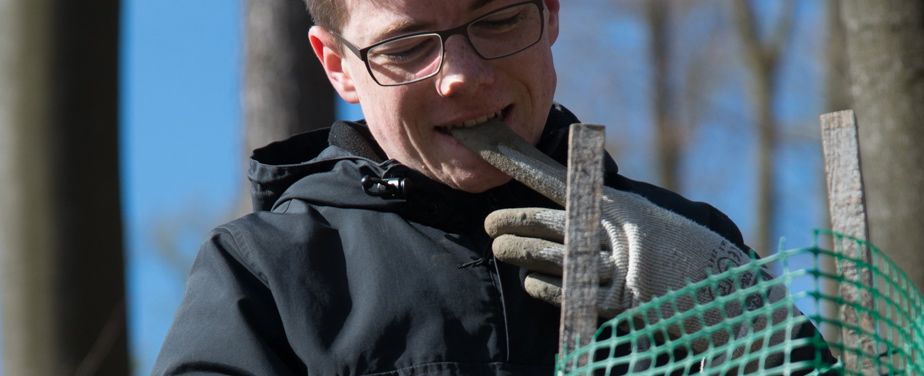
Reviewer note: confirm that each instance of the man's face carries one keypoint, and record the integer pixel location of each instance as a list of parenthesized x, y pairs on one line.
[(409, 122)]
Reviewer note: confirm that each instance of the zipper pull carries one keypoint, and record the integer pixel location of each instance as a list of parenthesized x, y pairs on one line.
[(476, 261), (385, 188)]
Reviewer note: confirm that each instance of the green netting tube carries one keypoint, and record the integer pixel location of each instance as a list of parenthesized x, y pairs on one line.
[(762, 306)]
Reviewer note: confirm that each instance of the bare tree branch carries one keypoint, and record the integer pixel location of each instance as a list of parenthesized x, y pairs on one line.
[(779, 39)]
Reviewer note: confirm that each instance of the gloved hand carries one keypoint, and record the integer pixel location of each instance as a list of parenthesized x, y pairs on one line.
[(646, 252)]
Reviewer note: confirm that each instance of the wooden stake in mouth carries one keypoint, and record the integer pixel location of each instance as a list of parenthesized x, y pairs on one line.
[(498, 145)]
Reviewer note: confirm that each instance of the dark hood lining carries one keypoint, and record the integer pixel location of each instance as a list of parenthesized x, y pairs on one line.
[(293, 150), (356, 138)]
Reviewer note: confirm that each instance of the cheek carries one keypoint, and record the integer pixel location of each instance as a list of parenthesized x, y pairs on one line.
[(549, 78), (395, 134), (387, 105), (541, 84)]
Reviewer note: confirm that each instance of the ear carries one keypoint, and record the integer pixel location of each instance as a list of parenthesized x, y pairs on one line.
[(327, 50), (552, 7)]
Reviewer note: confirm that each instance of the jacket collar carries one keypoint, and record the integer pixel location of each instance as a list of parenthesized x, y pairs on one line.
[(328, 167)]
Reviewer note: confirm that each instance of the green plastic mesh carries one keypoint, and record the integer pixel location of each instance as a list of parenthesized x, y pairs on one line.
[(747, 320)]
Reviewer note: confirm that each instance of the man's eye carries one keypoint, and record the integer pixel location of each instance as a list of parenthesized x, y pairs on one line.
[(402, 50), (501, 22)]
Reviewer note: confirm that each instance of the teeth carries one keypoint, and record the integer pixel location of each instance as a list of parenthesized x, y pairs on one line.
[(474, 122)]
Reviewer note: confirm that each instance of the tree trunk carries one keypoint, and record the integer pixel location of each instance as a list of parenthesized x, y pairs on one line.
[(29, 324), (761, 60), (60, 215), (667, 137), (886, 58), (837, 78), (285, 90)]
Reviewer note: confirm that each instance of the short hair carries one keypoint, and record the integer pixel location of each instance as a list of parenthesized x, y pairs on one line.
[(329, 14)]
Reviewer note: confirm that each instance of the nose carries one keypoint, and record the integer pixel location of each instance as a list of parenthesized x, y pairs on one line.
[(463, 70)]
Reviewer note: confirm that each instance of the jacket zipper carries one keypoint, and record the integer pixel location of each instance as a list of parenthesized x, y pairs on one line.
[(500, 289), (499, 284)]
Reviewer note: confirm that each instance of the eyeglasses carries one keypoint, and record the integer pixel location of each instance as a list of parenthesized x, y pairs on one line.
[(414, 57)]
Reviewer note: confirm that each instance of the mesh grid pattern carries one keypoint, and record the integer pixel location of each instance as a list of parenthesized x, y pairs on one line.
[(747, 320)]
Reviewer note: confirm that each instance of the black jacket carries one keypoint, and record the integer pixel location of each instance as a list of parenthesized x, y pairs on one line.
[(356, 265)]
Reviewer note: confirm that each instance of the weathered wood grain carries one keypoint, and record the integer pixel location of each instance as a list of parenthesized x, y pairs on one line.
[(848, 216), (582, 239)]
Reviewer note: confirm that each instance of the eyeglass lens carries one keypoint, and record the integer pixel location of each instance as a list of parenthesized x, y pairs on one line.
[(416, 57)]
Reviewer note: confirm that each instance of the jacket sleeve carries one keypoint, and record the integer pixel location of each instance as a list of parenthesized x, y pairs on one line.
[(228, 322)]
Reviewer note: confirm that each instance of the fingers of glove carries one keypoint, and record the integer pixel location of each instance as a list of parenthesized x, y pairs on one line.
[(544, 256), (548, 224), (537, 255), (548, 288), (543, 287)]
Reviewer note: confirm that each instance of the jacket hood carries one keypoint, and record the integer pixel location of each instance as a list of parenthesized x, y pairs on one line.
[(342, 166), (324, 166)]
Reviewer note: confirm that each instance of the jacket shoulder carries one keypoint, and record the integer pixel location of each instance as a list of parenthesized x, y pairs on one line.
[(230, 299), (266, 242)]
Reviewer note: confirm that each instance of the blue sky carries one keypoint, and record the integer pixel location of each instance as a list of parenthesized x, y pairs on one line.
[(181, 129), (180, 141)]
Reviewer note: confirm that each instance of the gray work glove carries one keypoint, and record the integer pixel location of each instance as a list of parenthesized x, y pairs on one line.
[(647, 250)]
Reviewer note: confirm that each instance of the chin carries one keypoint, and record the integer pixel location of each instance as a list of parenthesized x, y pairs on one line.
[(480, 181)]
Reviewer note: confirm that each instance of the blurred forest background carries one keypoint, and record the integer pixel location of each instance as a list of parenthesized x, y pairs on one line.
[(125, 127)]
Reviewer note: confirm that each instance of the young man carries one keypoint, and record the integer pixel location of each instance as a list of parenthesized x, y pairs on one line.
[(368, 254)]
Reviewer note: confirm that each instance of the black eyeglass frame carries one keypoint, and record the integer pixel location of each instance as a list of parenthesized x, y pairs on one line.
[(363, 53)]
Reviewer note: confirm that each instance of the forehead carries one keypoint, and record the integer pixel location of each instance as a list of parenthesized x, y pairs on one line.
[(373, 20)]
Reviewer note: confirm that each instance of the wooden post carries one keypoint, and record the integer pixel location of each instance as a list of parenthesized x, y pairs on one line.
[(848, 216), (582, 240)]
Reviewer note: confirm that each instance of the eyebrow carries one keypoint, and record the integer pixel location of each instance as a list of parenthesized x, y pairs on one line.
[(479, 3), (406, 26), (400, 27)]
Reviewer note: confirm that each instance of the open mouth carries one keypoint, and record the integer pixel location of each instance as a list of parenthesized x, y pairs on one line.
[(473, 122)]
